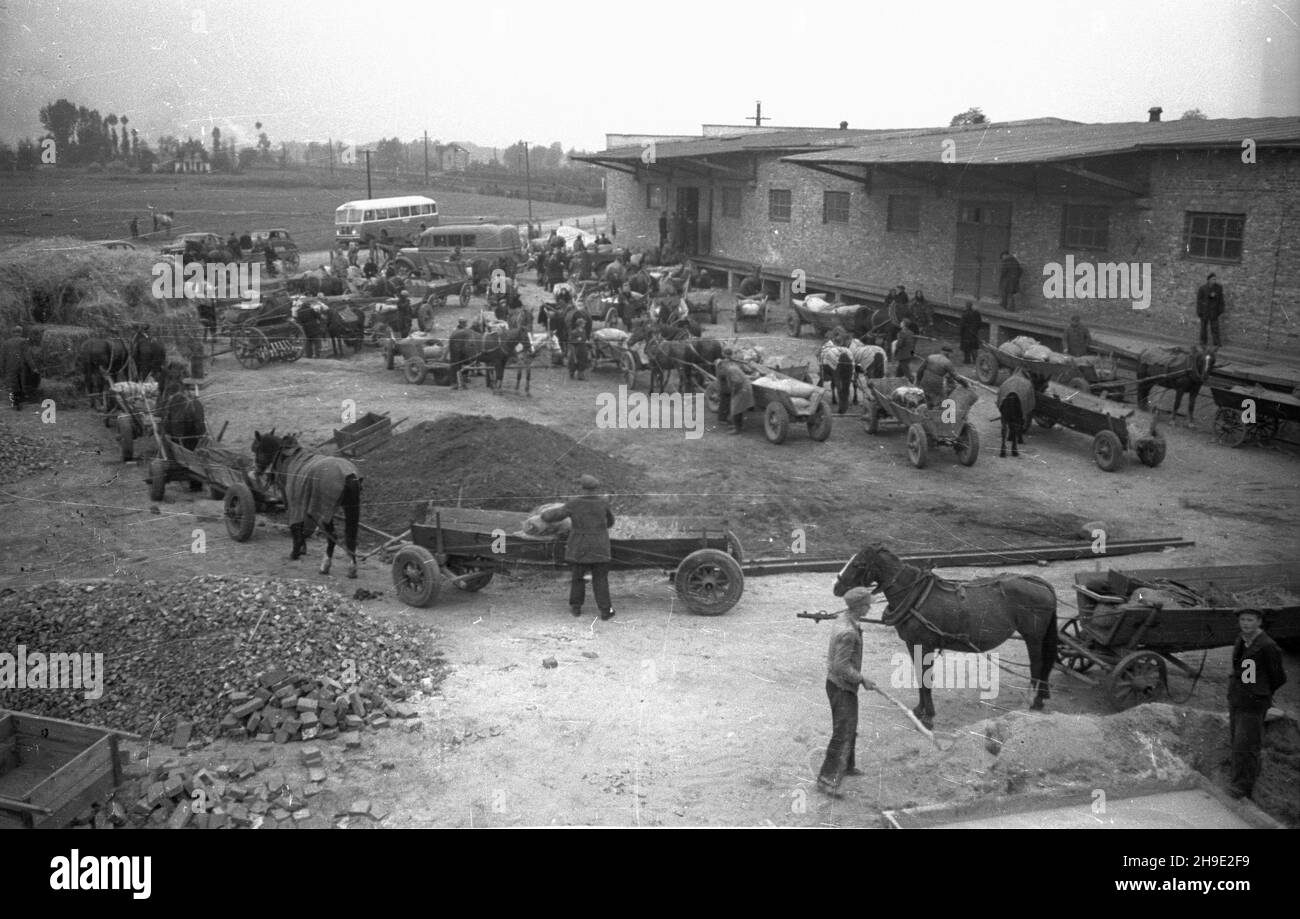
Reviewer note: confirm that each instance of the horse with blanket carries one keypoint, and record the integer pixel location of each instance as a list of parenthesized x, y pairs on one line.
[(672, 348), (931, 613), (1017, 399), (842, 360), (315, 488), (1178, 369)]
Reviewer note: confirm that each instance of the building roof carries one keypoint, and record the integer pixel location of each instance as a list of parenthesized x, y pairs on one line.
[(1003, 144)]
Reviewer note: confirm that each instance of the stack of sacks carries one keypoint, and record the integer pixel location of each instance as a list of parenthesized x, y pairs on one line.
[(1037, 353), (132, 391), (787, 385), (1010, 347), (753, 355), (909, 396), (1056, 357), (613, 336), (816, 304), (536, 526)]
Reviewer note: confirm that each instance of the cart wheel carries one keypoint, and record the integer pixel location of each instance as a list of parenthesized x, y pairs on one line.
[(1138, 677), (466, 291), (1068, 657), (819, 425), (247, 345), (776, 422), (871, 418), (709, 582), (986, 368), (918, 446), (1152, 452), (296, 344), (416, 576), (390, 353), (968, 445), (793, 324), (470, 585), (1045, 422), (240, 510), (1229, 428), (627, 364), (1080, 384), (1267, 428), (126, 437), (712, 397), (415, 371), (1107, 451), (157, 480)]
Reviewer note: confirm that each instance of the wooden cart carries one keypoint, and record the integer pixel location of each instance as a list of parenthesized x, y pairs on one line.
[(1131, 624), (822, 321), (227, 474), (1252, 413), (1093, 373), (778, 407), (753, 310), (464, 547), (130, 412), (1110, 425), (926, 427), (52, 770)]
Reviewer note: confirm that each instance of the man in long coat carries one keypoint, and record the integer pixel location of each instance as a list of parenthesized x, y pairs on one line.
[(971, 320), (735, 394), (1209, 306), (588, 548), (1009, 280), (18, 369), (1257, 674)]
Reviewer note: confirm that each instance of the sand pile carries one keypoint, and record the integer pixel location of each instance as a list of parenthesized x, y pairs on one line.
[(478, 461)]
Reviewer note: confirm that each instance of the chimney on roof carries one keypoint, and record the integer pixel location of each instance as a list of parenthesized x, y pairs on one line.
[(844, 125), (1153, 113)]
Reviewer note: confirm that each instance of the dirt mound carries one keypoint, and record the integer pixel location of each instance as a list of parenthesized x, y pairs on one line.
[(479, 461), (1025, 752)]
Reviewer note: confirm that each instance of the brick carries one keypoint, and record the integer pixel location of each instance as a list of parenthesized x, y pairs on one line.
[(240, 816), (174, 785), (101, 821), (389, 709), (328, 719), (412, 725), (308, 704), (359, 808), (237, 733), (328, 734), (279, 813), (264, 737), (156, 794), (311, 790), (259, 807), (281, 736), (180, 816), (225, 770), (248, 708), (316, 774), (310, 755), (200, 821), (292, 725), (274, 781), (308, 720), (244, 769), (272, 718), (117, 813), (218, 821), (354, 722), (378, 721), (272, 677), (351, 740), (301, 814), (239, 696), (263, 693), (310, 733), (404, 711), (143, 807), (158, 816)]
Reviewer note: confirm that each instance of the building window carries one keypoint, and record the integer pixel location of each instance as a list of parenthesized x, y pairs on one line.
[(904, 213), (731, 203), (656, 197), (1085, 227), (835, 207), (778, 204), (1214, 237)]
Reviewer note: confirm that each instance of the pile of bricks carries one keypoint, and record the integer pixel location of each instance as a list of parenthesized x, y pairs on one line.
[(244, 795), (285, 707)]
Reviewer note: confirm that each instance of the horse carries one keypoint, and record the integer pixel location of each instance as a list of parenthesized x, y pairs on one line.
[(466, 347), (1176, 369), (579, 328), (554, 319), (837, 370), (101, 358), (345, 325), (933, 613), (667, 350), (1016, 401), (315, 488)]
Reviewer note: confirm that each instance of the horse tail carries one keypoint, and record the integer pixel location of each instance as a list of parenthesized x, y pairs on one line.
[(352, 511)]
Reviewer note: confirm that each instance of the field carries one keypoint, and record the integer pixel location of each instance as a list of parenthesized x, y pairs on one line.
[(75, 203)]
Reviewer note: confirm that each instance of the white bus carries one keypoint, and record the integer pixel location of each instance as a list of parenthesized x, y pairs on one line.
[(364, 221)]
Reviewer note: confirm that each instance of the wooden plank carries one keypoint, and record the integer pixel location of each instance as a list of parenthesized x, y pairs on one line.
[(94, 763), (69, 729)]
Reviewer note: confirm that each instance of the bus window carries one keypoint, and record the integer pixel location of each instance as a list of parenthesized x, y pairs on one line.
[(469, 242), (406, 211), (439, 241), (370, 215), (424, 208)]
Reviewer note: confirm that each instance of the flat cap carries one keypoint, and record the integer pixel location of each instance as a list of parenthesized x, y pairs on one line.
[(589, 482), (858, 597)]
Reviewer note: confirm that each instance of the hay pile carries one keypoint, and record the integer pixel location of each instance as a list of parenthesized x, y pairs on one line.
[(70, 291)]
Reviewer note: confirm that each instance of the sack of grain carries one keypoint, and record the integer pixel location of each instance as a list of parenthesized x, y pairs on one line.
[(1057, 357), (613, 336), (816, 304), (1010, 347), (536, 526), (1037, 353), (1025, 341), (909, 396), (787, 385)]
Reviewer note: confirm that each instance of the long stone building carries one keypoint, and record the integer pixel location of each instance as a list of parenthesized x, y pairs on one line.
[(858, 212)]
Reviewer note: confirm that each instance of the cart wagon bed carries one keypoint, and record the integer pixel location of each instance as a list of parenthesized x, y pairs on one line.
[(1112, 426)]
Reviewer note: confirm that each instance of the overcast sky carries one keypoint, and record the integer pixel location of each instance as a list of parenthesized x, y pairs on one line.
[(494, 72)]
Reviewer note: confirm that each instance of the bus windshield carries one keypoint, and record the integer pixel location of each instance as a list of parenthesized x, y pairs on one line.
[(347, 215)]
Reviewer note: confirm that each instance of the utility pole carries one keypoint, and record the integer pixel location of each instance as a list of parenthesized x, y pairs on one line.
[(758, 114), (528, 182), (331, 143), (426, 159), (369, 194)]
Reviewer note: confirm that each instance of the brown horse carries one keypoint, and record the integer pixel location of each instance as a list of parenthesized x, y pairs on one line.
[(667, 350), (466, 347), (1016, 402), (1176, 369), (932, 613), (103, 360)]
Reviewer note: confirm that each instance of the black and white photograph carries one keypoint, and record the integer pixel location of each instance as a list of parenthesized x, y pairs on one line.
[(678, 415)]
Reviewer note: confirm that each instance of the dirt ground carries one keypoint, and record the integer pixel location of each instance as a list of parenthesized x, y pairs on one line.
[(659, 717)]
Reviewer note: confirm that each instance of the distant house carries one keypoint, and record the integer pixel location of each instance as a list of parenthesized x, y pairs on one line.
[(191, 162), (450, 157)]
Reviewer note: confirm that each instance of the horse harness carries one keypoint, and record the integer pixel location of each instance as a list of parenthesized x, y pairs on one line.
[(917, 593)]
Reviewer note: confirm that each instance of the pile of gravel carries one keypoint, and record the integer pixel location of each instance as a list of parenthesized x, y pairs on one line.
[(175, 651)]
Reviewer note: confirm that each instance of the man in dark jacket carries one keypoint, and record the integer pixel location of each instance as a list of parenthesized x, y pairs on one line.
[(18, 369), (663, 229), (1009, 281), (843, 677), (752, 286), (1256, 675), (905, 346), (1077, 338), (971, 320), (588, 546), (735, 392), (1209, 306), (312, 330)]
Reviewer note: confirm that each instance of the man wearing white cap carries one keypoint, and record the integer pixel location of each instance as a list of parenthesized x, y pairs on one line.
[(843, 677), (588, 545)]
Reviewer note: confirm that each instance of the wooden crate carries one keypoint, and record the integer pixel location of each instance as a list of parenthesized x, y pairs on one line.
[(364, 434), (51, 770)]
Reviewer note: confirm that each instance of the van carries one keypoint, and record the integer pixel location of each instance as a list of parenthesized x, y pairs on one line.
[(473, 241), (363, 222)]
